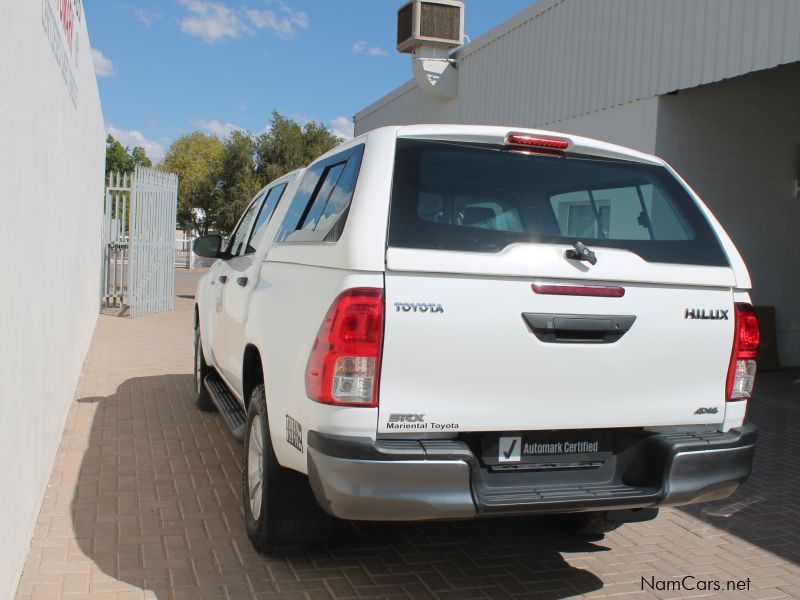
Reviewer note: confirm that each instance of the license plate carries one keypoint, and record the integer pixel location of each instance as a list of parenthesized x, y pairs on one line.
[(545, 447)]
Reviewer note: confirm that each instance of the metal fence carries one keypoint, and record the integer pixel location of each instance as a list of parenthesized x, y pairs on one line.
[(139, 241), (114, 292), (184, 255), (154, 206)]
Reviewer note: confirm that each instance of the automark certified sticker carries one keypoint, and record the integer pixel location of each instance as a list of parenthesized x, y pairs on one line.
[(509, 449)]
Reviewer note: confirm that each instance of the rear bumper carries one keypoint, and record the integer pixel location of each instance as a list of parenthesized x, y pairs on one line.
[(402, 480)]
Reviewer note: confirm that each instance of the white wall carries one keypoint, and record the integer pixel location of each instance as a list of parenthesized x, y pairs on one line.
[(737, 143), (51, 190), (633, 125)]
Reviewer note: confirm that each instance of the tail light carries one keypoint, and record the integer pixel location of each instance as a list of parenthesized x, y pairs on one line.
[(742, 370), (524, 143), (344, 364), (601, 291), (536, 141)]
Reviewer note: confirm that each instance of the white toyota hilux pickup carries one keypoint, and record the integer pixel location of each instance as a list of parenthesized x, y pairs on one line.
[(449, 322)]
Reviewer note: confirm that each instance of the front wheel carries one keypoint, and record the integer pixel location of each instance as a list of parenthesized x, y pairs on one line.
[(280, 510)]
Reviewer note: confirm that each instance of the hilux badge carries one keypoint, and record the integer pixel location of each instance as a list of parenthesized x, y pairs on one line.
[(701, 313)]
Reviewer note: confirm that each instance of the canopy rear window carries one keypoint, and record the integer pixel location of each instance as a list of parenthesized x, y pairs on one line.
[(453, 196)]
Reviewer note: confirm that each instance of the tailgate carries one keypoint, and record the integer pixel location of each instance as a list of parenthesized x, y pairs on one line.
[(493, 355), (472, 342)]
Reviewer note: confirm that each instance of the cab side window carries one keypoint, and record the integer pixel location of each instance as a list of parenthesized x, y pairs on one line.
[(319, 209), (242, 231), (271, 200)]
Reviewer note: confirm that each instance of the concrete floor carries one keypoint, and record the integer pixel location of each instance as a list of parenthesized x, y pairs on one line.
[(144, 502)]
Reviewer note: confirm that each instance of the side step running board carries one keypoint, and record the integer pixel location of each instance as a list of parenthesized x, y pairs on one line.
[(228, 406)]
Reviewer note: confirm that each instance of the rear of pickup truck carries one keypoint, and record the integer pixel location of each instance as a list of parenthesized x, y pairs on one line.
[(564, 329)]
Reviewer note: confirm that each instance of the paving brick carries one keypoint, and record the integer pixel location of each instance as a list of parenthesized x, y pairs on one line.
[(143, 503)]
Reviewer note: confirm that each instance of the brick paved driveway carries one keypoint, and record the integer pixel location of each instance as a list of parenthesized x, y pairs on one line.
[(144, 502)]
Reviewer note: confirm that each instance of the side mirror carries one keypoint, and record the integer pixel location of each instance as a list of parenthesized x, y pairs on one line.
[(208, 246)]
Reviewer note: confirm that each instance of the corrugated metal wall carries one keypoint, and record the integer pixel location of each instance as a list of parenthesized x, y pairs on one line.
[(565, 58)]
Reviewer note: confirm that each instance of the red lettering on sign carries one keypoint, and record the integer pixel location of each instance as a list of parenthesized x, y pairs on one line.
[(66, 11)]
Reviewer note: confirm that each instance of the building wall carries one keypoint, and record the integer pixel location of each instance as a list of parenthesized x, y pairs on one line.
[(609, 69), (633, 125), (737, 143), (560, 59), (51, 173)]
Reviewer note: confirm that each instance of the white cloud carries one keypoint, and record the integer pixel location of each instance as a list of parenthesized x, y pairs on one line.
[(361, 47), (133, 138), (214, 127), (298, 17), (211, 21), (145, 17), (343, 127), (103, 67), (284, 25)]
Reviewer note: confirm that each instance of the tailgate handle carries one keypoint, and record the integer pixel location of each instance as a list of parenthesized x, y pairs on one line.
[(578, 329)]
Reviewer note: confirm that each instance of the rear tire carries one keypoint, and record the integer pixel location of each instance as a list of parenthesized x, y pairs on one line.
[(201, 370), (585, 524), (281, 513)]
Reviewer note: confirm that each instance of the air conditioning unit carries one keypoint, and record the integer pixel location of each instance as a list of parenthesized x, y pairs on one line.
[(430, 23)]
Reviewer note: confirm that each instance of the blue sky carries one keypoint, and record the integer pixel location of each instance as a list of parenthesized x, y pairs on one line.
[(169, 67)]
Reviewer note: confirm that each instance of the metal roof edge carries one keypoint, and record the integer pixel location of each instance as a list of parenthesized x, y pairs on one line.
[(381, 102), (522, 17), (487, 38)]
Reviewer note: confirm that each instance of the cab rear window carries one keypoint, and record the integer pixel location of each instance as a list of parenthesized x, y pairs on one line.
[(452, 196)]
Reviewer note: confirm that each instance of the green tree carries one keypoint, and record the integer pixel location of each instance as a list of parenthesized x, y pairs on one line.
[(139, 158), (238, 179), (221, 177), (197, 159), (117, 158), (120, 159), (317, 140), (288, 146)]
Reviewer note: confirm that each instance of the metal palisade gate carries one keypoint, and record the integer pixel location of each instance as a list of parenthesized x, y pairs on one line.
[(184, 255), (153, 212), (114, 291)]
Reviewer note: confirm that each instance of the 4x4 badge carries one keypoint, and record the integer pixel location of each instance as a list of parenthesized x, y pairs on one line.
[(711, 410), (701, 313)]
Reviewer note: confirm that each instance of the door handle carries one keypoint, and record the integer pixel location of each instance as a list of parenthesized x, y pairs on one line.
[(242, 281), (223, 278), (578, 329)]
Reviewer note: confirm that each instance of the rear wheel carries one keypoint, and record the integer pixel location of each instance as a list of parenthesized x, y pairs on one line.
[(201, 370), (280, 510), (588, 523)]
